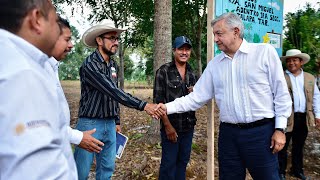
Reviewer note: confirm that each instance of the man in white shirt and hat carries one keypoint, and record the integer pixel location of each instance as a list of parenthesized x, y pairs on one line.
[(100, 98), (305, 111)]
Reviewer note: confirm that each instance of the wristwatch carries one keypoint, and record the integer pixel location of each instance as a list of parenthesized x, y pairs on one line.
[(283, 130)]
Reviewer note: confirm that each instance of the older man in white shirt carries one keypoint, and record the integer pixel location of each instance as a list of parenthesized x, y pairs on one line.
[(249, 87), (33, 127)]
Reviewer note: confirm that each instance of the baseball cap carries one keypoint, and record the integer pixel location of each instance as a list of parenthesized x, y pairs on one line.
[(180, 41)]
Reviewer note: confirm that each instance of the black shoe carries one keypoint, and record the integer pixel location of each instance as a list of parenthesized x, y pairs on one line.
[(282, 177), (299, 175)]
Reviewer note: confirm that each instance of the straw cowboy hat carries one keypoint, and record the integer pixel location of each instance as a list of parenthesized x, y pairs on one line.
[(296, 53), (106, 25)]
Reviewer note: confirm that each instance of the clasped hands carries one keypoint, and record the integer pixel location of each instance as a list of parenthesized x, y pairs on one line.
[(156, 110)]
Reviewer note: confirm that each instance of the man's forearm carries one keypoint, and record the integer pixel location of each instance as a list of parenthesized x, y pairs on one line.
[(165, 120)]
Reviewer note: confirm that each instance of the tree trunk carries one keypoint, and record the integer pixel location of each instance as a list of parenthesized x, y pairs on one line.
[(162, 33), (197, 22), (198, 51), (121, 68), (201, 24), (162, 50)]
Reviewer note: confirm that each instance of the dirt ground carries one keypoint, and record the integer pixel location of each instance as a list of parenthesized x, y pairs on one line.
[(142, 155)]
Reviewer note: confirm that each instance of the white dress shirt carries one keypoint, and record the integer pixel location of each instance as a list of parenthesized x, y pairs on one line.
[(247, 88), (75, 136), (32, 125), (299, 97)]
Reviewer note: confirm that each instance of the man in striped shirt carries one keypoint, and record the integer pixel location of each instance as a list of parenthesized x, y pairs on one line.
[(100, 98)]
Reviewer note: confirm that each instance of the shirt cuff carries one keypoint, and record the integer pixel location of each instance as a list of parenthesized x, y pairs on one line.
[(75, 136), (281, 122), (171, 108), (142, 105)]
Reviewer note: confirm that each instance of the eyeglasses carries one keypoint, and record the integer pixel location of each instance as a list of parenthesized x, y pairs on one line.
[(111, 38)]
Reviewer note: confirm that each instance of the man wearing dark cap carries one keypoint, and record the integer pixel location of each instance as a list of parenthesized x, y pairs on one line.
[(173, 80)]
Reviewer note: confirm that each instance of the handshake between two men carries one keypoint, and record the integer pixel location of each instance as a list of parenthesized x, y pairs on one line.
[(156, 110)]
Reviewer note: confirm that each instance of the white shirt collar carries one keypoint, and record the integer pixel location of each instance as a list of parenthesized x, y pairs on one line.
[(288, 72), (54, 63), (244, 48)]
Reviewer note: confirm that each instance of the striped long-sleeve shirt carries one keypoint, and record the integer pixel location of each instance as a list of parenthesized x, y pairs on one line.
[(100, 95)]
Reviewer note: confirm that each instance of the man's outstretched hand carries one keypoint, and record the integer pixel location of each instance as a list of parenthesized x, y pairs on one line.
[(90, 143)]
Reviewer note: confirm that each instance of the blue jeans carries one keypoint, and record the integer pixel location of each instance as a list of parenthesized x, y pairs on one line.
[(105, 132), (241, 149), (175, 156)]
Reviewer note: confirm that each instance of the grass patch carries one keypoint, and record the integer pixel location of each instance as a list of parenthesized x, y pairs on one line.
[(195, 147)]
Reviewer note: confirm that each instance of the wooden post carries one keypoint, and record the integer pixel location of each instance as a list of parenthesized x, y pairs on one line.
[(210, 105)]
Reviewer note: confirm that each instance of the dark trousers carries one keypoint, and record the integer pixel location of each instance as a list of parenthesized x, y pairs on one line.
[(298, 135), (241, 149), (175, 156)]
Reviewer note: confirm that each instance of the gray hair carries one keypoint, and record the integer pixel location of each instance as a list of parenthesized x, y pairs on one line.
[(232, 21)]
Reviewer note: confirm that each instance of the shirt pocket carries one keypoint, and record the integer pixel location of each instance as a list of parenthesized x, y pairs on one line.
[(174, 89)]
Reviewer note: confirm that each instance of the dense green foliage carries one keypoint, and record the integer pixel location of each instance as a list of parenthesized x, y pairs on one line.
[(69, 67), (302, 31), (189, 18)]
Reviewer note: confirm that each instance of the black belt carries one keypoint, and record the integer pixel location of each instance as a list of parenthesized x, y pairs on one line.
[(299, 114), (250, 125)]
